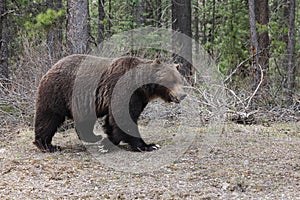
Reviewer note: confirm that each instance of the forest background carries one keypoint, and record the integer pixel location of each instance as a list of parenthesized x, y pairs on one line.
[(254, 43)]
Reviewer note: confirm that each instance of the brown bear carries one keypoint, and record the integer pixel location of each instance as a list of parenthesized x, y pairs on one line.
[(81, 87)]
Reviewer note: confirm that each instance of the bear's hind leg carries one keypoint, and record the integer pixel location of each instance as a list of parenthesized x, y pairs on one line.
[(108, 130), (46, 125)]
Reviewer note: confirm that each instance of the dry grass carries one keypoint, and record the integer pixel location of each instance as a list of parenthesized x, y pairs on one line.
[(240, 162)]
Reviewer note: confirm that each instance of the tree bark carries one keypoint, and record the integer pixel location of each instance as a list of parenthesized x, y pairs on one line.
[(3, 40), (110, 18), (262, 18), (77, 26), (290, 53), (101, 16), (258, 13), (181, 18), (54, 34), (284, 22), (253, 37), (212, 31), (203, 25), (196, 24)]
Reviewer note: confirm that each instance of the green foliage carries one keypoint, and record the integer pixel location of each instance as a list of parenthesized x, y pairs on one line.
[(25, 10), (45, 20), (225, 35), (48, 19), (230, 40), (261, 28)]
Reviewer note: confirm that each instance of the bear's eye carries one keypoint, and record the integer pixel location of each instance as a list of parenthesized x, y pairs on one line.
[(174, 82)]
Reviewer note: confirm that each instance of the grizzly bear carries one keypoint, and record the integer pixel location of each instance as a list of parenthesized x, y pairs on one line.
[(82, 88)]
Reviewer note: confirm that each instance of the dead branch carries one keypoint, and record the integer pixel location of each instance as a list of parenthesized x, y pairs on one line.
[(257, 88), (7, 13)]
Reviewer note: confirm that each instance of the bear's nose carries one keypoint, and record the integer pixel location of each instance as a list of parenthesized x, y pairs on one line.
[(183, 96)]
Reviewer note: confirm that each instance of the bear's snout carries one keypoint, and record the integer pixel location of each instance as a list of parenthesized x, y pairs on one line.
[(178, 98)]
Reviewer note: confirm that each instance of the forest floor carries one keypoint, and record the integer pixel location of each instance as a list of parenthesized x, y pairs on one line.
[(235, 162)]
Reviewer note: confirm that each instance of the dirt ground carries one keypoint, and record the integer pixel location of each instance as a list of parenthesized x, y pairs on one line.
[(236, 162)]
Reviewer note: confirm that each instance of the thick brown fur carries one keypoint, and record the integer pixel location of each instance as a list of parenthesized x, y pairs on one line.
[(80, 87)]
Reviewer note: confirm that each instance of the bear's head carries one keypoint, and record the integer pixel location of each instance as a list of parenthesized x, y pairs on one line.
[(169, 82)]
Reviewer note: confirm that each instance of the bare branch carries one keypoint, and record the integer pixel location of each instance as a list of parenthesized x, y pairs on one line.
[(7, 13), (258, 86)]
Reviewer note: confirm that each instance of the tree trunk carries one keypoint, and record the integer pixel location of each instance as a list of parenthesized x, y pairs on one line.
[(110, 18), (77, 26), (101, 16), (203, 25), (253, 36), (3, 40), (258, 13), (262, 18), (181, 18), (196, 24), (212, 31), (54, 34), (290, 53), (284, 22)]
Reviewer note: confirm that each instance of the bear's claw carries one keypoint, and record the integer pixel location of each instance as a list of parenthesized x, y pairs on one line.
[(47, 147), (149, 147)]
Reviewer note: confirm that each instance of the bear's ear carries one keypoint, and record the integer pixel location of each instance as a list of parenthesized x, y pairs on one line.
[(177, 66), (156, 61)]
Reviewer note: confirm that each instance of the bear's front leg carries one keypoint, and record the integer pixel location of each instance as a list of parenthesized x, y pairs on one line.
[(133, 138), (131, 135), (46, 124), (136, 107)]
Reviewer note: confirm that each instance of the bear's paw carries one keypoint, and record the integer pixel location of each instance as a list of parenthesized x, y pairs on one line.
[(47, 148), (147, 147)]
